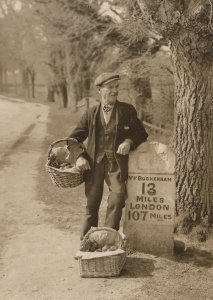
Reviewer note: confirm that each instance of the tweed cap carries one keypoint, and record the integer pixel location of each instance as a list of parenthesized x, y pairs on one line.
[(106, 78)]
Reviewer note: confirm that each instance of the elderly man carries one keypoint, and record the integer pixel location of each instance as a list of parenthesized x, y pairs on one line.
[(112, 129)]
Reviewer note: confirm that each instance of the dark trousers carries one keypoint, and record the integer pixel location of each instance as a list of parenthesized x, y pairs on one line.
[(107, 170)]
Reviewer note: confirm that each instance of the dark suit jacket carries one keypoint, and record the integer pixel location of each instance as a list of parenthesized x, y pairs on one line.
[(127, 126)]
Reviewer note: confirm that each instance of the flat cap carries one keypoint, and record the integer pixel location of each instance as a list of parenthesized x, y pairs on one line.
[(106, 78)]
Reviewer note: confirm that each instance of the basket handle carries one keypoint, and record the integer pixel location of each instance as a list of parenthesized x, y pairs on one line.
[(58, 141)]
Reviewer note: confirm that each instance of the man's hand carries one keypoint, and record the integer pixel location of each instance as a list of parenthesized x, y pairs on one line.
[(82, 164), (124, 147)]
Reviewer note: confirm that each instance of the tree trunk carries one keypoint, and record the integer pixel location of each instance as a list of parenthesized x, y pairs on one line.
[(79, 90), (25, 84), (64, 94), (15, 82), (60, 93), (32, 82), (73, 96), (50, 93), (71, 100), (187, 25), (5, 81), (33, 86), (1, 78), (194, 129)]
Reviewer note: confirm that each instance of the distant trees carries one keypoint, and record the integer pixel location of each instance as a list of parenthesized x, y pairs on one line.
[(3, 58), (73, 41), (76, 42), (20, 44)]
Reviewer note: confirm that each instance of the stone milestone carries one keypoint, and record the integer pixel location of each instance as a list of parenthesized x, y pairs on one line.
[(150, 207)]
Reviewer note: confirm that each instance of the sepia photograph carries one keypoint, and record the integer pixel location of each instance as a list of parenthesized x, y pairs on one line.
[(106, 149)]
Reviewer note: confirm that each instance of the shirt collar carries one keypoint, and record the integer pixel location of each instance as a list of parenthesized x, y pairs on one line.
[(114, 105)]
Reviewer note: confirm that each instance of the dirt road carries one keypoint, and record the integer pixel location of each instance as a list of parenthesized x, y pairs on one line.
[(37, 258)]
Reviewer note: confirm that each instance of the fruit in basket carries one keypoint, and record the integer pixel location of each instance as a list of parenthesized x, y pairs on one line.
[(95, 245), (93, 248), (105, 248), (54, 163), (86, 245)]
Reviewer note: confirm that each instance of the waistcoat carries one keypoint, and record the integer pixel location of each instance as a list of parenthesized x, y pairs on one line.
[(105, 136)]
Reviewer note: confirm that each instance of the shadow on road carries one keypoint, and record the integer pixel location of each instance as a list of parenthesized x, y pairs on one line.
[(136, 267)]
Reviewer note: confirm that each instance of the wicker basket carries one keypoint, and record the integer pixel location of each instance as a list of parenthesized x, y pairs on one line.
[(61, 178), (103, 264)]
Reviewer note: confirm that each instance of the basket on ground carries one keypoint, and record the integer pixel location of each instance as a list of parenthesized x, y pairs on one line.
[(71, 177), (103, 264)]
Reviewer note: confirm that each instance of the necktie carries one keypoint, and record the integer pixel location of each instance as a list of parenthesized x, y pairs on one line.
[(107, 107)]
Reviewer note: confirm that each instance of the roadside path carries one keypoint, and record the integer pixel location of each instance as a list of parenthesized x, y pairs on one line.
[(16, 117)]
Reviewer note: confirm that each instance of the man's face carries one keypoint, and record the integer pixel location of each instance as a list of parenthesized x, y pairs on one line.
[(109, 92)]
